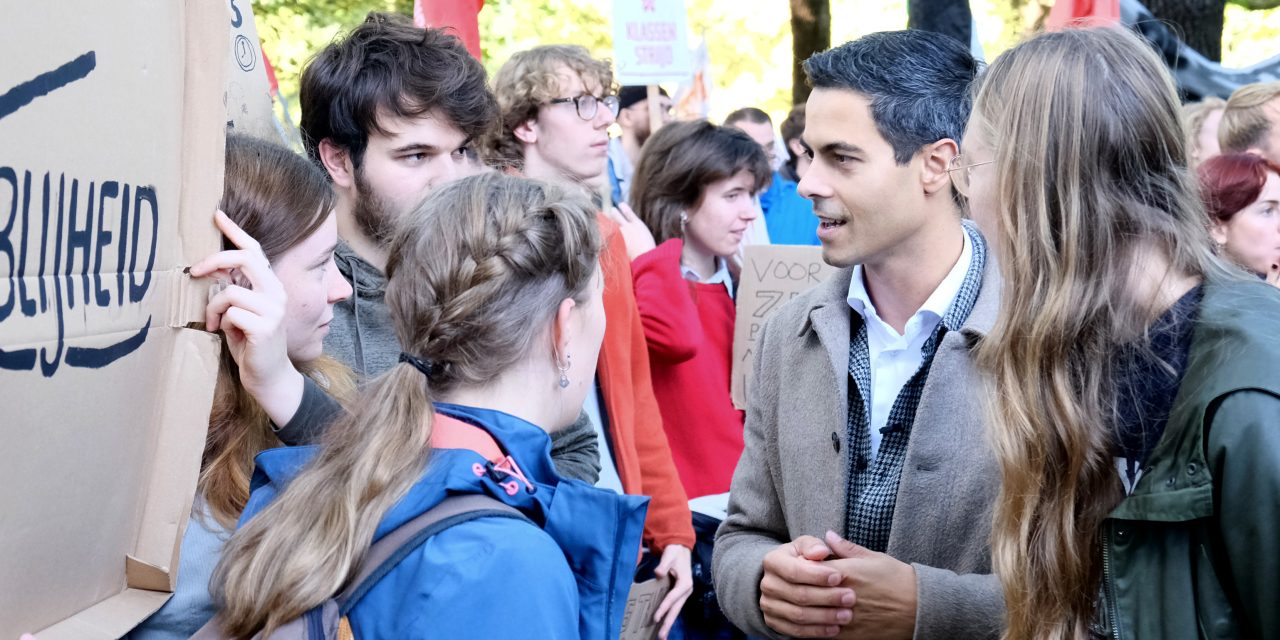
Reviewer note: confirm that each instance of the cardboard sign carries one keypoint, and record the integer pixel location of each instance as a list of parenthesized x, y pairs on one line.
[(249, 107), (111, 156), (771, 275), (642, 605), (650, 42)]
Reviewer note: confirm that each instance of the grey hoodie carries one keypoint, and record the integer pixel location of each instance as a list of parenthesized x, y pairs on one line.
[(361, 336)]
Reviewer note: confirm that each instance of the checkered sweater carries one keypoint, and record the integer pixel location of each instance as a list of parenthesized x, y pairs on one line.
[(872, 491)]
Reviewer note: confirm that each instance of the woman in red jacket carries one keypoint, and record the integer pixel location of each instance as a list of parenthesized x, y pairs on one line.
[(694, 188)]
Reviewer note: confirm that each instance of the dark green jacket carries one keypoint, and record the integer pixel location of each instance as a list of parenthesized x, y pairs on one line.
[(1194, 551)]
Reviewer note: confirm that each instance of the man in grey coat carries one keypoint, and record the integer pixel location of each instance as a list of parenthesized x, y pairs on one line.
[(861, 506)]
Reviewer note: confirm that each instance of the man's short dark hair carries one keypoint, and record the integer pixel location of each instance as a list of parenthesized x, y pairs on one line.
[(388, 66), (748, 114), (918, 83)]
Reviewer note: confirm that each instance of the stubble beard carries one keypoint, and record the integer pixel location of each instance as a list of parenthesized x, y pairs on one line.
[(372, 213)]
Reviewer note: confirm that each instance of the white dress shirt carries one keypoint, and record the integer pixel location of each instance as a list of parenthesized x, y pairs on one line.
[(895, 357), (721, 275)]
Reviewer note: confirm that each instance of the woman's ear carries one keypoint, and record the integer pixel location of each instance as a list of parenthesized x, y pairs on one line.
[(1218, 230), (563, 330), (936, 160), (795, 147)]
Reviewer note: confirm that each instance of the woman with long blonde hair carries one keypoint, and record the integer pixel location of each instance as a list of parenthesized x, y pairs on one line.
[(1136, 401), (494, 291)]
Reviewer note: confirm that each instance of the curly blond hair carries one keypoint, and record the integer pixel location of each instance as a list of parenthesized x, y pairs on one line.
[(528, 81)]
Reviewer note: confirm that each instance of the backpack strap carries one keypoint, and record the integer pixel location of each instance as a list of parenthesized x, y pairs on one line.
[(388, 551)]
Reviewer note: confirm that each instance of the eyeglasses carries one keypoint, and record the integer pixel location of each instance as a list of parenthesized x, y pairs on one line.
[(961, 173), (587, 105)]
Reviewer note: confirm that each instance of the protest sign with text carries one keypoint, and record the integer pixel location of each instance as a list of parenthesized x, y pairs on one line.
[(650, 42), (771, 276), (111, 134)]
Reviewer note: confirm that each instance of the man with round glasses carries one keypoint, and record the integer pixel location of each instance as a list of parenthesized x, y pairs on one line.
[(557, 103)]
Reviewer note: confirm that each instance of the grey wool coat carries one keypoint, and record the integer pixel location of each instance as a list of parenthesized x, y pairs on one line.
[(792, 477)]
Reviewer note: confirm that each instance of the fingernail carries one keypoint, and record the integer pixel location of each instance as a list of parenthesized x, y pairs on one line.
[(847, 599), (833, 579), (831, 631), (843, 616)]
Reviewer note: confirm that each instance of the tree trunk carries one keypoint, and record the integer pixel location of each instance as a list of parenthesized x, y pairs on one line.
[(1198, 22), (810, 34), (948, 17)]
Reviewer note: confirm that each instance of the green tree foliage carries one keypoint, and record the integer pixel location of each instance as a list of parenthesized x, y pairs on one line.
[(743, 45), (749, 41), (292, 31)]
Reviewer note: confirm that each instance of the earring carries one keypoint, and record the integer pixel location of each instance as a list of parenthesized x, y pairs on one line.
[(564, 371), (684, 219)]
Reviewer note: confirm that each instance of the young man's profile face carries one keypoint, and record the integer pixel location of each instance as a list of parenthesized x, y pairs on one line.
[(868, 204), (636, 118), (575, 147), (400, 167)]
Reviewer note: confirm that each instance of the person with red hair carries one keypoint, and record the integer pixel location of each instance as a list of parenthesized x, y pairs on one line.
[(1241, 193)]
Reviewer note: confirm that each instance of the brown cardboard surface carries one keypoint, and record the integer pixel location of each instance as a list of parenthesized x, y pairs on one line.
[(642, 605), (249, 108), (771, 275), (111, 134)]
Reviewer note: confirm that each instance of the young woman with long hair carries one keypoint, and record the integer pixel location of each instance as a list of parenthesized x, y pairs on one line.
[(694, 189), (279, 286), (495, 294), (1241, 193), (1136, 376)]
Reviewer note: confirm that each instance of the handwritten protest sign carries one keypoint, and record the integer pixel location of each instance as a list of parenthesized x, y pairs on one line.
[(650, 42), (771, 275), (642, 605), (111, 136)]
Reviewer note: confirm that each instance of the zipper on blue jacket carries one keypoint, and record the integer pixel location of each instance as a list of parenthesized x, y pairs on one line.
[(610, 632)]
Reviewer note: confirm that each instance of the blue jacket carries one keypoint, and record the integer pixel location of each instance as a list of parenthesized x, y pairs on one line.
[(788, 215), (568, 577)]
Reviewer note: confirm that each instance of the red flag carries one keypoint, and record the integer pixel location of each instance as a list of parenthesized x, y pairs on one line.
[(271, 73), (460, 15), (1083, 13)]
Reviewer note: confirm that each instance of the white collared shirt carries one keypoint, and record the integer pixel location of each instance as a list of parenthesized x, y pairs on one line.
[(720, 276), (894, 358)]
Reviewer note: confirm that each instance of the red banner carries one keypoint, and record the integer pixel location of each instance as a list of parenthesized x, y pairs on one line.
[(1083, 13), (461, 16)]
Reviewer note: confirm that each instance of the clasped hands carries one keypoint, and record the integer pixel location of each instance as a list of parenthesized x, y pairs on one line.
[(833, 588)]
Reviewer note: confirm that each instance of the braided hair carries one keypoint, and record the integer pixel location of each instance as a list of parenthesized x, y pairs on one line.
[(476, 275)]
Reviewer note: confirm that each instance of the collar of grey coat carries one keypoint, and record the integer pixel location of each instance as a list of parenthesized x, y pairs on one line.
[(829, 313)]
